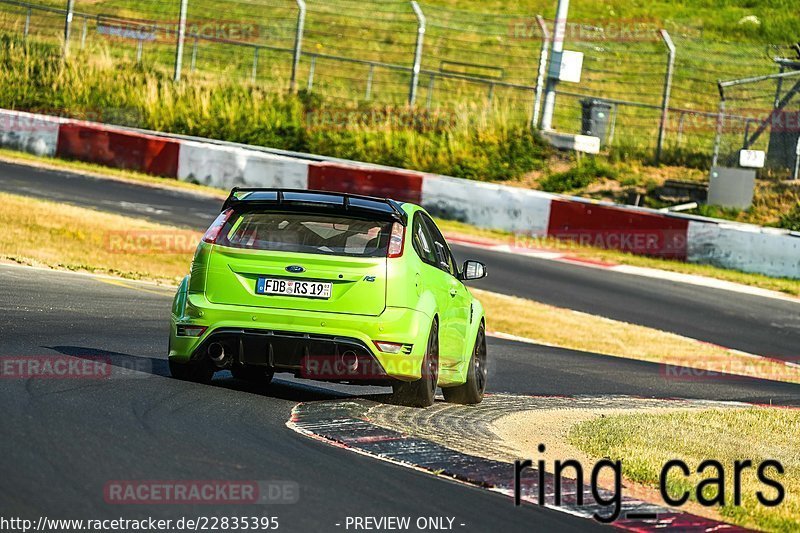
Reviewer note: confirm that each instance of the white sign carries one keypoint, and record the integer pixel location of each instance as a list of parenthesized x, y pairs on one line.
[(751, 158), (567, 66)]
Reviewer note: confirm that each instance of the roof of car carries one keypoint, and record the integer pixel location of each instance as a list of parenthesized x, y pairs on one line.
[(303, 199)]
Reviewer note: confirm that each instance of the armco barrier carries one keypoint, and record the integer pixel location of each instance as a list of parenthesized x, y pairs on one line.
[(744, 247), (117, 148), (226, 167), (631, 230), (487, 205), (27, 132), (398, 184), (218, 164)]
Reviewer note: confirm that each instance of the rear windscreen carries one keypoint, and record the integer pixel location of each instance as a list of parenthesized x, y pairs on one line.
[(308, 233)]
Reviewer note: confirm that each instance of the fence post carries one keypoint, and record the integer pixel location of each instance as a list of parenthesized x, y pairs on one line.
[(139, 49), (68, 25), (255, 64), (412, 93), (311, 70), (27, 22), (720, 122), (667, 88), (83, 32), (431, 84), (298, 42), (181, 39), (559, 33), (368, 94), (194, 54), (537, 101)]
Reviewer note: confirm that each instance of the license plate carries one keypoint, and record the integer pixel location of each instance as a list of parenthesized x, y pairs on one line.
[(290, 287)]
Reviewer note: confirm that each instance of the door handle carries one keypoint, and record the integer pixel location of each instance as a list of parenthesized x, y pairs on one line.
[(453, 292)]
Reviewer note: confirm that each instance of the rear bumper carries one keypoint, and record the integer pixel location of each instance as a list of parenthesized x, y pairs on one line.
[(315, 345)]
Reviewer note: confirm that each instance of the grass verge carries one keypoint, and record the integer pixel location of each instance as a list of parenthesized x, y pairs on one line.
[(74, 238), (61, 236), (644, 442)]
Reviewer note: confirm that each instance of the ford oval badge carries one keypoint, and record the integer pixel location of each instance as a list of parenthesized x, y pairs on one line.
[(295, 269)]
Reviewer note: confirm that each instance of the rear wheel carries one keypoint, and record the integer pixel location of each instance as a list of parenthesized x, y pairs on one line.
[(199, 371), (471, 392), (252, 373), (421, 393)]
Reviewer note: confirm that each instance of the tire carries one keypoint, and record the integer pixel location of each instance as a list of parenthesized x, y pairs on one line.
[(471, 392), (200, 371), (421, 393), (252, 373)]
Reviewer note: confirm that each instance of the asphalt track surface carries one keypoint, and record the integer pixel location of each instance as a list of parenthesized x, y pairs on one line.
[(63, 440)]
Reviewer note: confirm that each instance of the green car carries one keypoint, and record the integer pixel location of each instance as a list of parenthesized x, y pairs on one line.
[(333, 287)]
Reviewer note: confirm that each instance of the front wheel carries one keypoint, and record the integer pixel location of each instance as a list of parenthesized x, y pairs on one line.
[(471, 392), (421, 393)]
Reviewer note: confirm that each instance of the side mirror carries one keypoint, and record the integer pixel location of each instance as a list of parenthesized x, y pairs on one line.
[(473, 270)]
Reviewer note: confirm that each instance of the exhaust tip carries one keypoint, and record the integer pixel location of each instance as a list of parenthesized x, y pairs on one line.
[(216, 352), (350, 360)]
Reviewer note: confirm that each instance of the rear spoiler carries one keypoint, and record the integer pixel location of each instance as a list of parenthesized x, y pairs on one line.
[(318, 201)]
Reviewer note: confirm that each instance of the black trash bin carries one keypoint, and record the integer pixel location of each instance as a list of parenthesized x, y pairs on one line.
[(596, 117)]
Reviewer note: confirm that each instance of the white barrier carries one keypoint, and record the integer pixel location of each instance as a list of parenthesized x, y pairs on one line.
[(487, 205), (27, 132), (769, 251), (226, 167)]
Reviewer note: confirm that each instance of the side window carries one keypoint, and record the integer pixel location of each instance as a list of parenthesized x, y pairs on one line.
[(444, 259), (422, 241)]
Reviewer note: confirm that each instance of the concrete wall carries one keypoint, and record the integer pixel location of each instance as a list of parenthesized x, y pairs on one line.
[(27, 132)]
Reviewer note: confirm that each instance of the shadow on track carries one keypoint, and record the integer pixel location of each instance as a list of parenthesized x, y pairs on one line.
[(279, 389)]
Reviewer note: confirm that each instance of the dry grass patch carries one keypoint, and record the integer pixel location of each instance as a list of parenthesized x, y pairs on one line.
[(38, 232)]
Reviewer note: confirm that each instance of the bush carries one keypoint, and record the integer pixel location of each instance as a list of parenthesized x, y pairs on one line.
[(466, 142), (581, 175), (791, 219)]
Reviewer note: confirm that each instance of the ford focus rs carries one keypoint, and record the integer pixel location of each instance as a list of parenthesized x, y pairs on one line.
[(333, 287)]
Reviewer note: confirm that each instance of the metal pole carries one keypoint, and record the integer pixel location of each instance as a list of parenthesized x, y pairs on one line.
[(720, 120), (537, 100), (139, 46), (255, 64), (431, 83), (796, 161), (83, 33), (680, 127), (68, 25), (667, 88), (181, 39), (368, 95), (194, 54), (412, 93), (559, 32), (27, 22), (311, 73), (298, 42)]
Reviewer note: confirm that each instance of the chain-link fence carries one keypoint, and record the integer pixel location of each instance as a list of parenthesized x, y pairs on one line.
[(655, 97)]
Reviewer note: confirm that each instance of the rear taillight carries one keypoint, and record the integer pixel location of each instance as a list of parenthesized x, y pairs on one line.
[(186, 330), (389, 347), (396, 240), (216, 227)]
